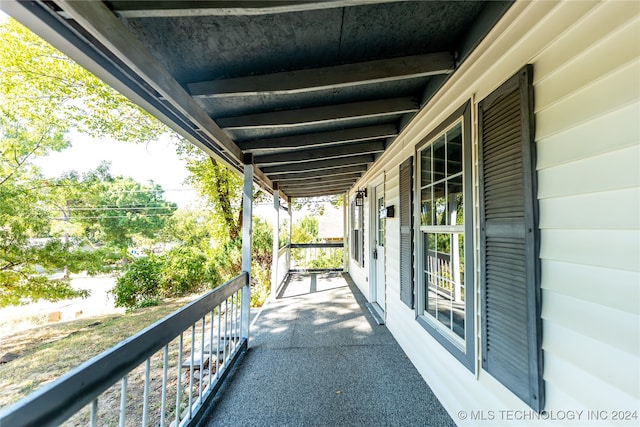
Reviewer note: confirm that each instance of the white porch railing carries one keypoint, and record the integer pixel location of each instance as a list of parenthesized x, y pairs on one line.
[(317, 257), (193, 348)]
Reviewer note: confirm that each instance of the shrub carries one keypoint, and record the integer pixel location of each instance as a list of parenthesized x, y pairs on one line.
[(139, 282), (184, 271), (260, 284)]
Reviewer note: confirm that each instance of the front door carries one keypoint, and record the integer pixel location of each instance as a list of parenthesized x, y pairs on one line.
[(378, 252)]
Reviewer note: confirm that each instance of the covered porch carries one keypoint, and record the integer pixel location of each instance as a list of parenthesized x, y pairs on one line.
[(317, 357), (302, 99)]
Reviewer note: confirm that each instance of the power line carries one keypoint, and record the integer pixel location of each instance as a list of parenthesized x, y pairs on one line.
[(118, 208), (108, 217)]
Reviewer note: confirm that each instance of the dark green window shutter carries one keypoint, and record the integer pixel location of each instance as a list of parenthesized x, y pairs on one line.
[(406, 232), (354, 237), (509, 243)]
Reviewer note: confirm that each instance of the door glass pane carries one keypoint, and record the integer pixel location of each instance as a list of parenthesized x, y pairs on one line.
[(380, 223)]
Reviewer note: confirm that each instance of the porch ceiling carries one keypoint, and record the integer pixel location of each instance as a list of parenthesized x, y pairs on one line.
[(314, 91)]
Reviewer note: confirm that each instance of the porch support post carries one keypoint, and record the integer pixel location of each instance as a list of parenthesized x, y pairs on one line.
[(290, 206), (345, 250), (276, 244), (247, 202)]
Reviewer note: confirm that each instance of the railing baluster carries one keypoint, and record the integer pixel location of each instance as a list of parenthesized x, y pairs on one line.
[(145, 403), (202, 359), (225, 343), (232, 345), (238, 316), (163, 403), (211, 350), (179, 380), (228, 335), (94, 413), (236, 334), (123, 402), (193, 349), (235, 320), (218, 344)]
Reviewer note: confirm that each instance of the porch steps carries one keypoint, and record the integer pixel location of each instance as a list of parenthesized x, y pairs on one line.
[(198, 354)]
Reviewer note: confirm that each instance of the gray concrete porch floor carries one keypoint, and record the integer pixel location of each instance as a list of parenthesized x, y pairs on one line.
[(317, 358)]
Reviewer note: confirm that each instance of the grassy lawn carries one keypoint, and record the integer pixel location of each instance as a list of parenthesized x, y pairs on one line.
[(44, 353)]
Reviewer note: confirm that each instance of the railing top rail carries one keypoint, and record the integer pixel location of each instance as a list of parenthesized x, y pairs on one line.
[(60, 399), (317, 245)]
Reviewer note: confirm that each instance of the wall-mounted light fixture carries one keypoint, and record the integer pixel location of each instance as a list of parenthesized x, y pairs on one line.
[(360, 195)]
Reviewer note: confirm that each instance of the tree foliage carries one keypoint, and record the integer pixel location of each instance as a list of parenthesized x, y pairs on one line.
[(47, 94), (43, 97), (180, 271), (222, 189), (125, 208), (316, 205)]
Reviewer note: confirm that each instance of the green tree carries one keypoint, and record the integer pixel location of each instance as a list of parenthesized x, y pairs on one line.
[(305, 230), (43, 97), (316, 205), (188, 227), (126, 208), (101, 209)]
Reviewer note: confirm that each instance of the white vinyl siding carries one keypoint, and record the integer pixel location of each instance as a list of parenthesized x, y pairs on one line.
[(588, 139), (586, 62)]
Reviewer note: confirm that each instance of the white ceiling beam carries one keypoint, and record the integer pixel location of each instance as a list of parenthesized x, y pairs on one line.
[(302, 194), (311, 184), (356, 170)]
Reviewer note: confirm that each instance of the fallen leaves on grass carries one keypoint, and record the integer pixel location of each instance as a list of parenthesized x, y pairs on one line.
[(47, 352)]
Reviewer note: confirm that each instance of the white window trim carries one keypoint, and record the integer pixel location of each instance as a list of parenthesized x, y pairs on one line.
[(463, 349)]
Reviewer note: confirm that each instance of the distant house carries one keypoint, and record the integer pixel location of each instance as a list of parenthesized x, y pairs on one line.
[(331, 225)]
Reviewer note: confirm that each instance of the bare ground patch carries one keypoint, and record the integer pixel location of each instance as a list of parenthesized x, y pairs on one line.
[(43, 353)]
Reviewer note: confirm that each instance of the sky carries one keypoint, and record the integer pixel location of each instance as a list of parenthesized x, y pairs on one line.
[(156, 161)]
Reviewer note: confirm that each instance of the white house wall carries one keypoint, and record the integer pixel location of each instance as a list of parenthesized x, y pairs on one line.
[(586, 59)]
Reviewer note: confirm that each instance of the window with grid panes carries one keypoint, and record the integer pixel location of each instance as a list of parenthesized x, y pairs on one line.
[(445, 229)]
